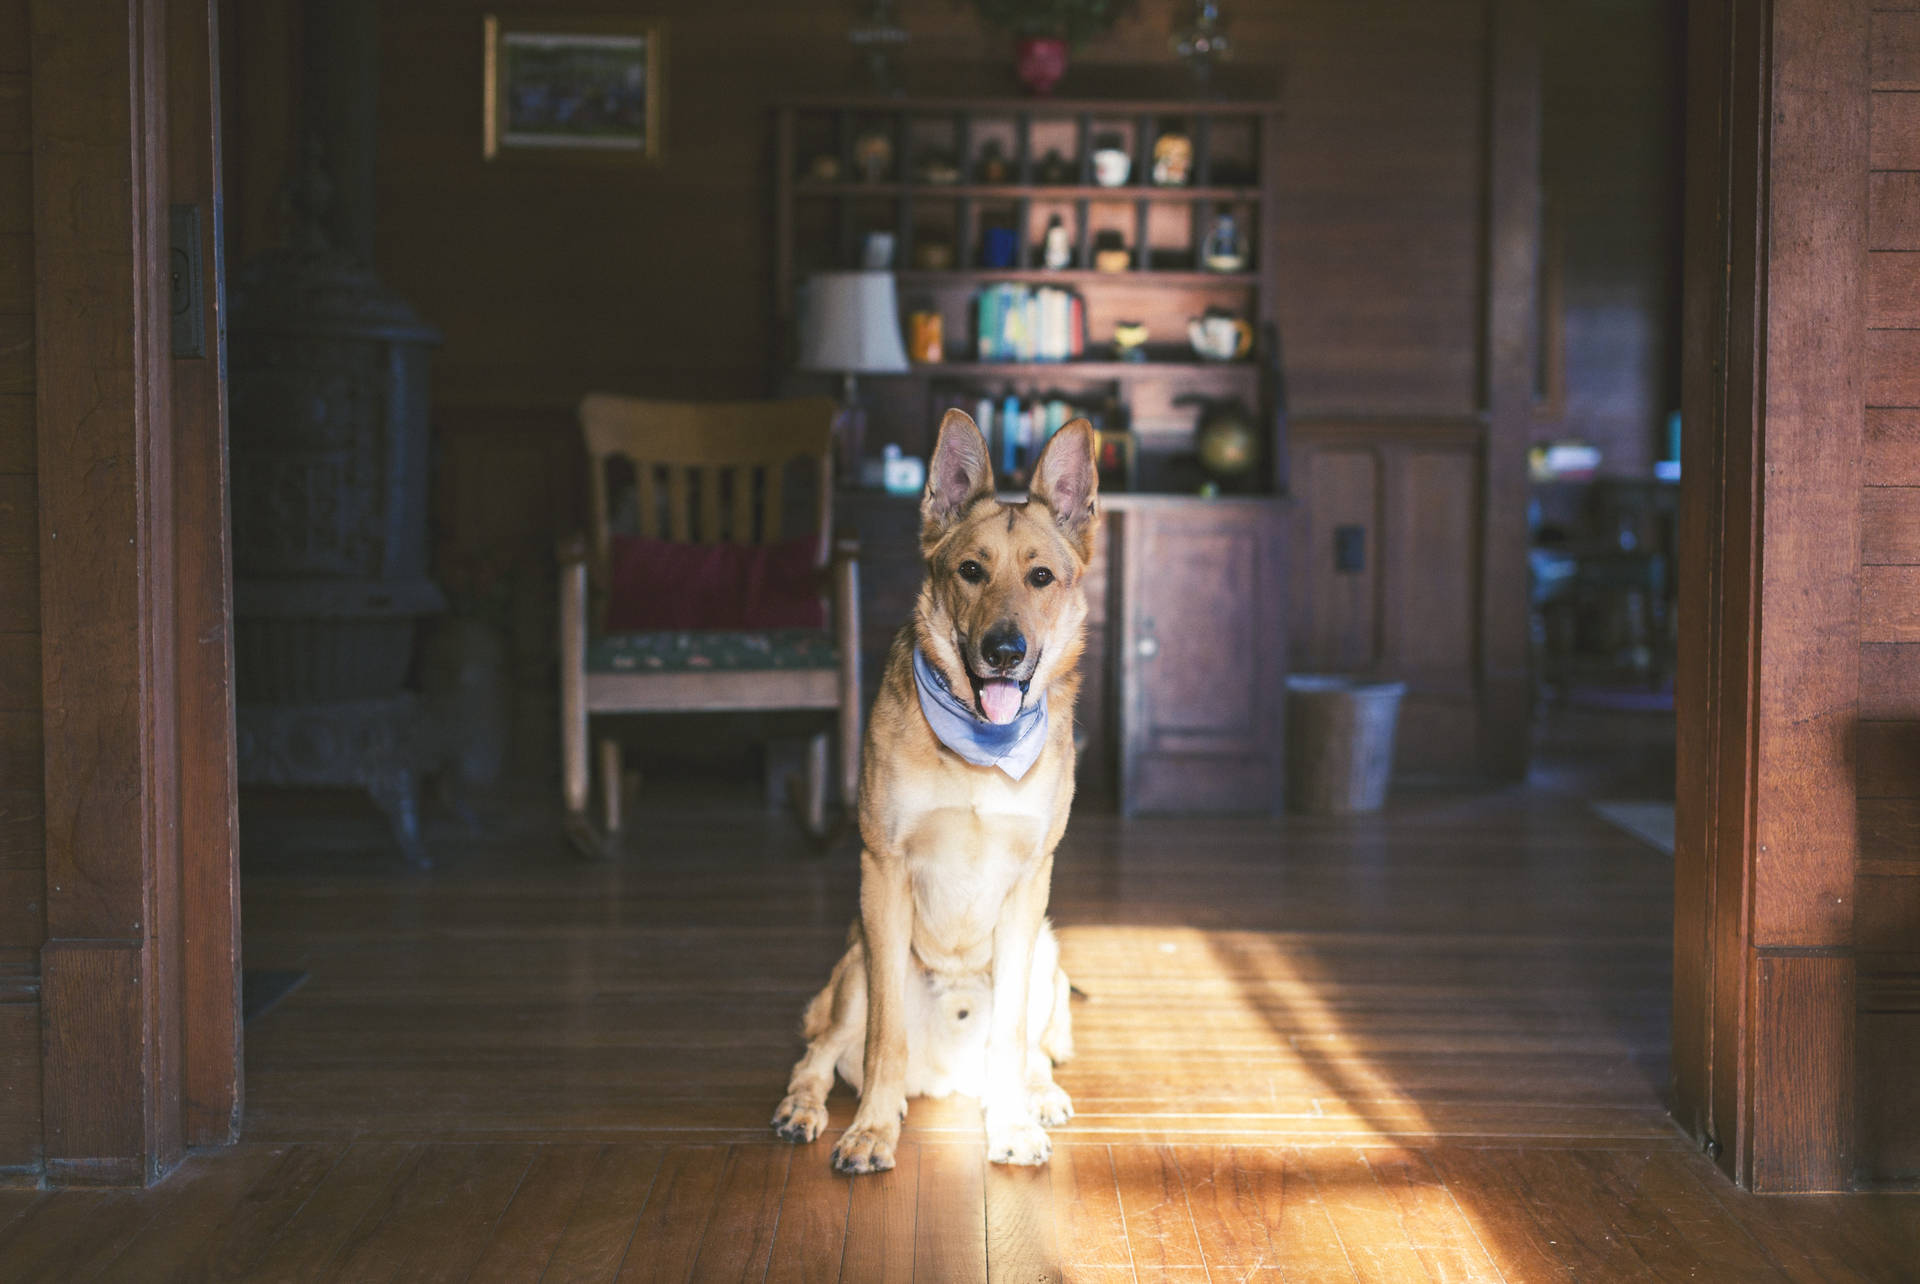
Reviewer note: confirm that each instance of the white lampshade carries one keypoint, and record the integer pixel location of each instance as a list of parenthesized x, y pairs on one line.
[(851, 324)]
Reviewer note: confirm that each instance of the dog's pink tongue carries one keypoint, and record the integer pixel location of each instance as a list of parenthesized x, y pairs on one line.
[(1000, 700)]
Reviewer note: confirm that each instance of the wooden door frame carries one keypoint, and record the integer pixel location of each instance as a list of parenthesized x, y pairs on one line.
[(1763, 1018), (139, 971)]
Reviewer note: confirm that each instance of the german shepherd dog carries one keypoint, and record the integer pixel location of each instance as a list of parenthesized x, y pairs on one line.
[(951, 981)]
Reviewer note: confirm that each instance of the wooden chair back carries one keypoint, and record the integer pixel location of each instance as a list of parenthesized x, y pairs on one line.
[(707, 472)]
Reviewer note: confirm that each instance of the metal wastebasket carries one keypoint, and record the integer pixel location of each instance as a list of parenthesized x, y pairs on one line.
[(1340, 742)]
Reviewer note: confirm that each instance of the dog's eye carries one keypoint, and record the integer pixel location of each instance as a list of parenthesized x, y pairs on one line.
[(1039, 577), (972, 572)]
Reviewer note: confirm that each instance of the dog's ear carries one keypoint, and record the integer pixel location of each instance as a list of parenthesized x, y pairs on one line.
[(1066, 480), (957, 475)]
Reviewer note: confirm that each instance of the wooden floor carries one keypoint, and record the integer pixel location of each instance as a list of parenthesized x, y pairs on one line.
[(1428, 1046)]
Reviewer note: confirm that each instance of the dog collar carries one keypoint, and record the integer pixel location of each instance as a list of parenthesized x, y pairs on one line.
[(1013, 747)]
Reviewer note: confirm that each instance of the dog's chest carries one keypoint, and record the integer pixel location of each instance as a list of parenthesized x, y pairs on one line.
[(973, 841)]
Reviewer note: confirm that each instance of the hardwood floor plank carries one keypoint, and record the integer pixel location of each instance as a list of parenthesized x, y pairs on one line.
[(1225, 1209), (950, 1218), (666, 1240), (1662, 1213), (528, 1230), (1251, 1219), (1305, 1244), (248, 1225), (194, 1210), (1365, 1216), (1153, 1199), (1022, 1242), (1499, 1215), (74, 1234), (330, 1221), (1440, 1235), (437, 1221), (1816, 1237), (746, 1213), (882, 1217), (812, 1236), (1089, 1227), (1555, 1210), (16, 1202), (600, 1226)]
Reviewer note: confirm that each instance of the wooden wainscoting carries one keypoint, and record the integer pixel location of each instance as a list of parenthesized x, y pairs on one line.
[(22, 831), (1412, 608), (1887, 876)]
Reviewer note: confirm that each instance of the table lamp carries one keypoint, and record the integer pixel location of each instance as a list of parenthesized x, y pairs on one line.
[(850, 326)]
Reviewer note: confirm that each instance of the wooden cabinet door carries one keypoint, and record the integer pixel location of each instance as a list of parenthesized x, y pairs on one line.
[(1201, 657)]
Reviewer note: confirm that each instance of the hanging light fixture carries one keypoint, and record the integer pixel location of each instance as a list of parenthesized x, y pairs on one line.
[(1204, 41)]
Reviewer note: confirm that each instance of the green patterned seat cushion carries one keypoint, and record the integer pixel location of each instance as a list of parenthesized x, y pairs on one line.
[(716, 650)]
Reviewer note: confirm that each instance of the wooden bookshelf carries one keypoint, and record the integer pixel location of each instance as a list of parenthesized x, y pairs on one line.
[(821, 223)]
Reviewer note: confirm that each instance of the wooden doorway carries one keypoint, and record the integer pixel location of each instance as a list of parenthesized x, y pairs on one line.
[(136, 975)]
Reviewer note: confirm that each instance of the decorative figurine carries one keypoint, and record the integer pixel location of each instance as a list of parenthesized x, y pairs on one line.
[(1054, 168), (1223, 250), (1130, 340), (930, 254), (873, 156), (824, 168), (1110, 252), (1172, 159), (993, 167), (1111, 164), (1056, 250), (937, 168)]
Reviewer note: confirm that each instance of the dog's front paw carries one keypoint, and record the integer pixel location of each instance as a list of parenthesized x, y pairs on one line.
[(798, 1119), (1018, 1143), (1051, 1105), (865, 1149)]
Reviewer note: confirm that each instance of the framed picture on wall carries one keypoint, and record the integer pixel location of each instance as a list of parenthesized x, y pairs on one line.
[(590, 87)]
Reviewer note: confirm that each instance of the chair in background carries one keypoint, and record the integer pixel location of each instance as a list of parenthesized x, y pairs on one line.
[(695, 555)]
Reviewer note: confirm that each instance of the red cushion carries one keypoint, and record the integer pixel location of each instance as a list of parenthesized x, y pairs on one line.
[(655, 584)]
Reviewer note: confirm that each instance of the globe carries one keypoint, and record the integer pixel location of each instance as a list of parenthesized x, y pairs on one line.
[(1226, 444)]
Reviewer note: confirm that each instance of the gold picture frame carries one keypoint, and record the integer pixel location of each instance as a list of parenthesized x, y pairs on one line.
[(575, 89)]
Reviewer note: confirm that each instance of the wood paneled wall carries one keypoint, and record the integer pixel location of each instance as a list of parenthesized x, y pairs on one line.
[(22, 843), (1797, 940), (1409, 610), (1886, 886), (1611, 105)]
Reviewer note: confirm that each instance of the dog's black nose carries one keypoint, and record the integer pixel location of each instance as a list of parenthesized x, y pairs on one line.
[(1003, 646)]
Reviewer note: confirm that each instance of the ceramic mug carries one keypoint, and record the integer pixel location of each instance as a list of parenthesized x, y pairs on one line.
[(1111, 166)]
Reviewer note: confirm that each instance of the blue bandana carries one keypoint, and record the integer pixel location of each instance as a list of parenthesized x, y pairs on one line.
[(1013, 747)]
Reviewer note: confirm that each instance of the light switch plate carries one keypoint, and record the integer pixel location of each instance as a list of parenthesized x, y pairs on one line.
[(185, 297)]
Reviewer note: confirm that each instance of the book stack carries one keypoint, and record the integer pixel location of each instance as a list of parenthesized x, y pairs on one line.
[(1023, 323), (1017, 427)]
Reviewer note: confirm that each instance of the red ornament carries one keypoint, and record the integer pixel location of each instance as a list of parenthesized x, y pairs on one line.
[(1039, 62)]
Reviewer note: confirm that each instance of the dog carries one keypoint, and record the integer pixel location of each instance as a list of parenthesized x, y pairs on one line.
[(951, 981)]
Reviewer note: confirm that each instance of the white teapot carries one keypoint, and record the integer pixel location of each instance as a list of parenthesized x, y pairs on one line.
[(1219, 335)]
